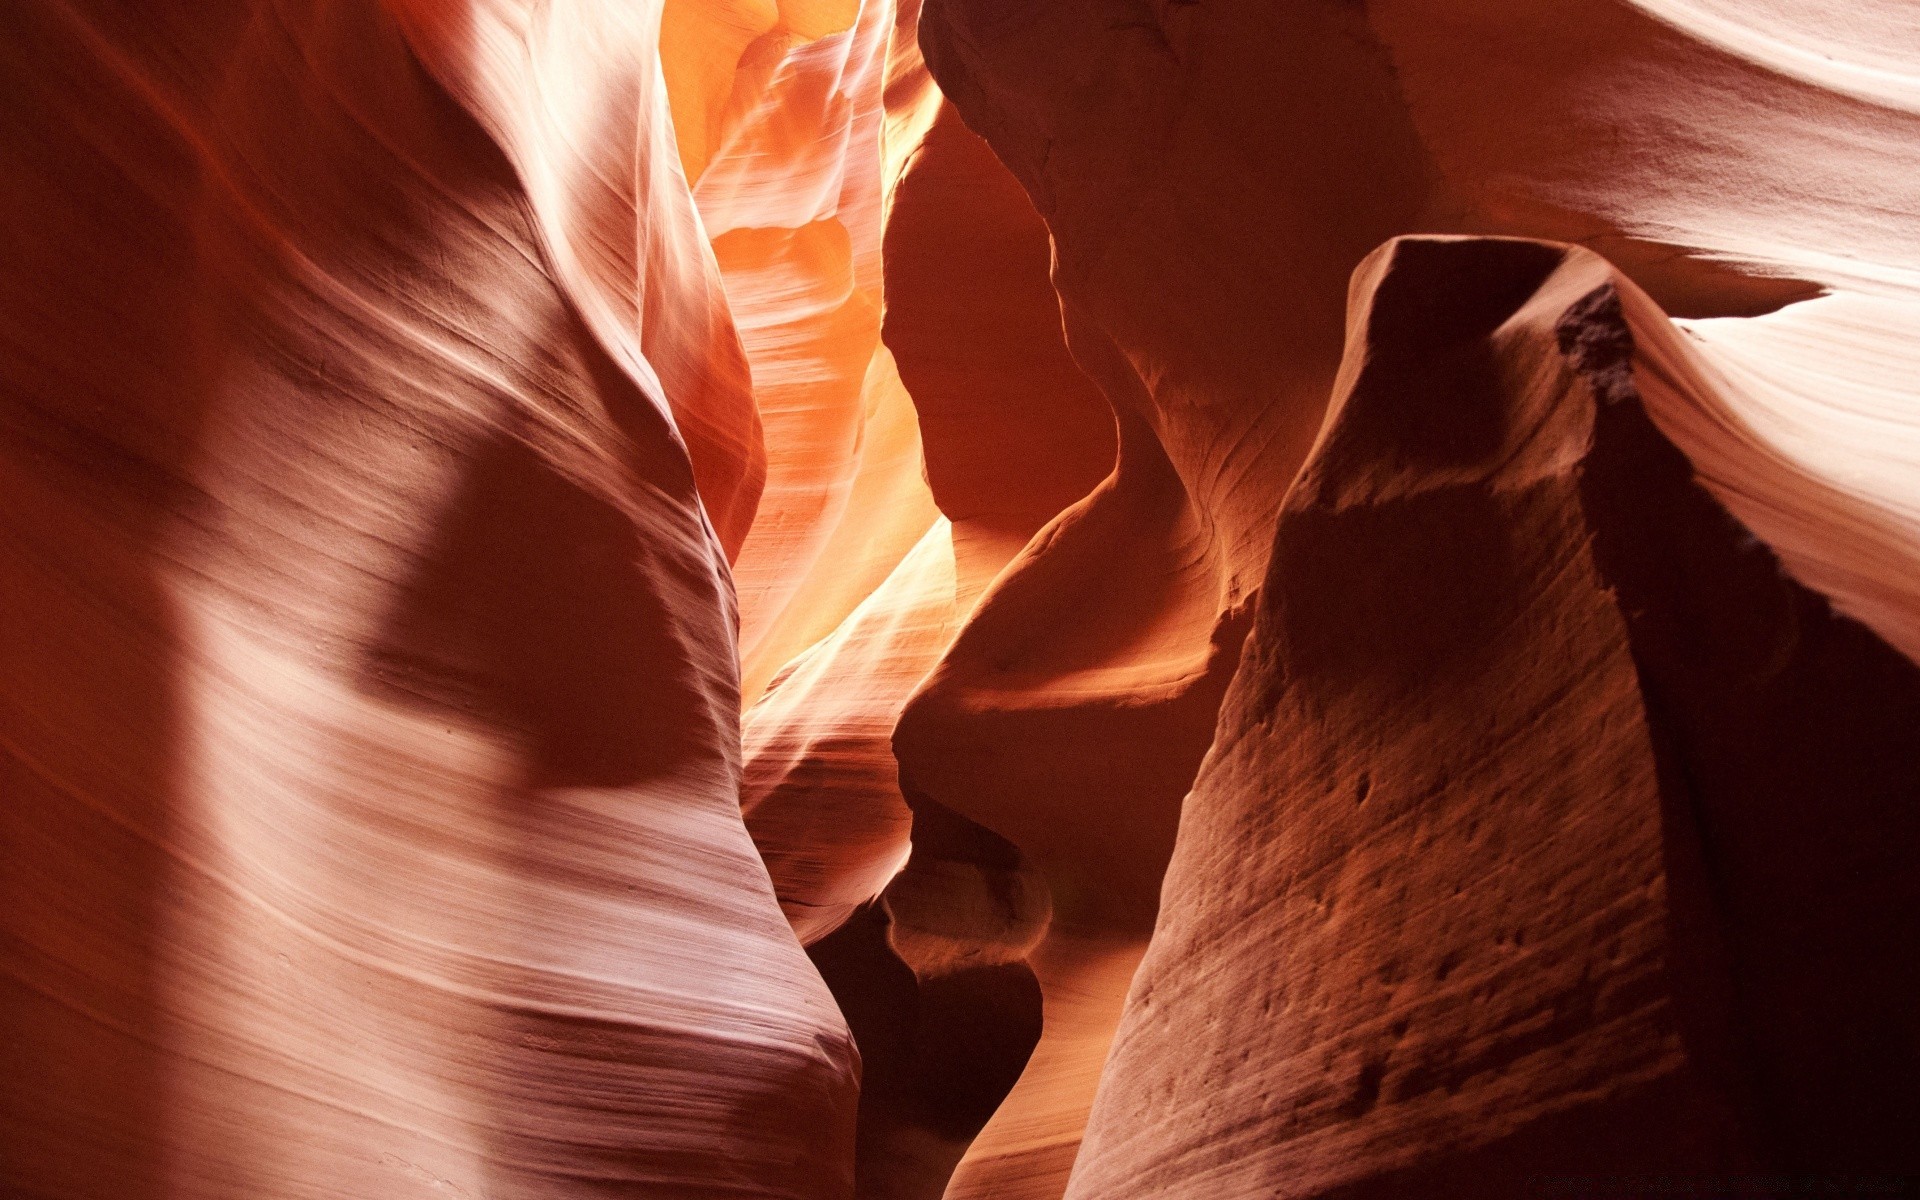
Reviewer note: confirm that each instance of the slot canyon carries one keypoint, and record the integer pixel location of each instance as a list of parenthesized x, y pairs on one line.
[(968, 599)]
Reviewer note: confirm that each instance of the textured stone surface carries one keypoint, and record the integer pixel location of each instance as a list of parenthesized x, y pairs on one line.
[(369, 739), (1544, 811), (519, 517), (1212, 173)]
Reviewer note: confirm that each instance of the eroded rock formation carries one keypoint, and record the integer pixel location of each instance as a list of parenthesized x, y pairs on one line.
[(1212, 174), (1462, 913), (1249, 598), (371, 712)]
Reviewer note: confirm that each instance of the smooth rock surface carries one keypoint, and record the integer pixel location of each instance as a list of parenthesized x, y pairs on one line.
[(369, 741), (565, 563), (1545, 810)]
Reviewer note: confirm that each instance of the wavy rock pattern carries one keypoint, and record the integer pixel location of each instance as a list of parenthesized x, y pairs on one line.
[(1213, 174), (853, 588), (371, 726), (1463, 913), (1666, 135), (1175, 547)]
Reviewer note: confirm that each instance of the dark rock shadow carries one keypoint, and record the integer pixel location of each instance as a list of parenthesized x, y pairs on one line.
[(942, 1037), (1789, 743)]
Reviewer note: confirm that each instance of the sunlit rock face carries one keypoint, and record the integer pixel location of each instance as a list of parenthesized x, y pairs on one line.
[(1095, 598), (375, 431), (1212, 174)]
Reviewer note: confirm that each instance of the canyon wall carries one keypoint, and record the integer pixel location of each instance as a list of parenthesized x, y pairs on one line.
[(811, 598), (375, 430), (1212, 176), (1545, 809)]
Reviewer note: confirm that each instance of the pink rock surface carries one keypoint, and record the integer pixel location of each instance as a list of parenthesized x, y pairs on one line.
[(371, 719), (1545, 810), (521, 516), (1213, 174)]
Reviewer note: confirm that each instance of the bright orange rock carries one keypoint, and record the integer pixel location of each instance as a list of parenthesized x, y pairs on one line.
[(520, 516), (784, 144), (849, 584)]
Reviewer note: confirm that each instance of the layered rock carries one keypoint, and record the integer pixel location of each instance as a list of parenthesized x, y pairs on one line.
[(849, 588), (510, 501), (1545, 811), (937, 979), (1213, 174), (370, 732), (1013, 433), (780, 112)]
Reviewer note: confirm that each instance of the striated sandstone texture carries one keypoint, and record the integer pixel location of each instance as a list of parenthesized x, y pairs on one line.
[(1096, 598), (1545, 809), (1212, 175), (369, 737)]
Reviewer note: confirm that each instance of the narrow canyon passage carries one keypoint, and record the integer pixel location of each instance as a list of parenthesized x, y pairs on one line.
[(918, 599)]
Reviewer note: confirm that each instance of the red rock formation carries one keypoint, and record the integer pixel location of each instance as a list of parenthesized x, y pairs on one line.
[(855, 591), (1212, 174), (369, 731), (1013, 433), (1545, 811), (505, 501), (786, 142), (567, 92)]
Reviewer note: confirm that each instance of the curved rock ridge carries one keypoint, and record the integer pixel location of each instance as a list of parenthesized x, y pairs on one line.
[(1013, 433), (1545, 810), (369, 739), (940, 993), (574, 94), (821, 792), (1212, 174), (856, 591), (1096, 598)]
